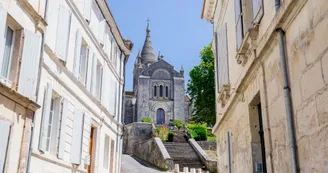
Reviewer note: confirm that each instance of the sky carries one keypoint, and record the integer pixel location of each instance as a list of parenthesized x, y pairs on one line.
[(177, 30)]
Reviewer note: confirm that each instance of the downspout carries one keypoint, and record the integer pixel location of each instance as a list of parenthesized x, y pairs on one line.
[(37, 91), (288, 101)]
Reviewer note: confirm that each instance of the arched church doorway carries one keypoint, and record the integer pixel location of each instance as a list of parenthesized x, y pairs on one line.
[(160, 116)]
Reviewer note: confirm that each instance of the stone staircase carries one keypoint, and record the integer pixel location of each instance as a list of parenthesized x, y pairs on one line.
[(182, 153)]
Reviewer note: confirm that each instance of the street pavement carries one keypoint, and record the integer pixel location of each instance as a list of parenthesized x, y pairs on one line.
[(132, 165)]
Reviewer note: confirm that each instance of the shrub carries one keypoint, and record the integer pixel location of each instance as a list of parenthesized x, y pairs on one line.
[(178, 123), (162, 132), (170, 137), (147, 120), (199, 129)]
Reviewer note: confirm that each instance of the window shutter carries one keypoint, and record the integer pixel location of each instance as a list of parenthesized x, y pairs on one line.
[(61, 147), (78, 46), (239, 23), (63, 31), (77, 137), (4, 133), (3, 20), (89, 71), (29, 66), (101, 34), (104, 97), (258, 11), (87, 10), (223, 57), (94, 75), (45, 118)]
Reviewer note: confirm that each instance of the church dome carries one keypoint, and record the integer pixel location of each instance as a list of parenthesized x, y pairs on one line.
[(147, 53)]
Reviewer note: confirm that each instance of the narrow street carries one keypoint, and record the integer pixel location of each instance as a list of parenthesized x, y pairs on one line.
[(131, 165)]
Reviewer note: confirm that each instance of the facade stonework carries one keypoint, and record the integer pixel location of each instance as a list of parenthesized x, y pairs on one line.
[(158, 90), (62, 66), (252, 101)]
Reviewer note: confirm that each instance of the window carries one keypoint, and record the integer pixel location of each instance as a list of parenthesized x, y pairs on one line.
[(106, 152), (5, 136), (83, 62), (112, 153), (239, 23), (7, 52), (155, 91), (258, 11), (99, 72), (167, 91), (161, 91)]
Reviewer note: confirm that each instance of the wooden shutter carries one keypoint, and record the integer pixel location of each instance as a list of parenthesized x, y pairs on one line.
[(29, 66), (94, 75), (89, 70), (101, 34), (3, 20), (223, 56), (45, 118), (78, 46), (63, 31), (4, 133), (239, 23), (77, 136), (61, 147), (87, 9), (258, 11)]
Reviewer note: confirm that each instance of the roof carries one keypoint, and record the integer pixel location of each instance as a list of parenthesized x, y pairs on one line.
[(208, 9), (147, 53)]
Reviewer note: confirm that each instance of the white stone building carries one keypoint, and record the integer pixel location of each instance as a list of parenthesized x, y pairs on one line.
[(68, 57)]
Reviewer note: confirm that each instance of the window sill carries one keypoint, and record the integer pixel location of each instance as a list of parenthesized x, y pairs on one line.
[(224, 94), (246, 47)]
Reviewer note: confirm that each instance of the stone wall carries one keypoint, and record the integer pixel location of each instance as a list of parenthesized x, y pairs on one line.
[(207, 145), (207, 161), (179, 104), (140, 142)]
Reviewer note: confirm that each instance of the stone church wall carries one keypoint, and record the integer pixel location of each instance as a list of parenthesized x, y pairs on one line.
[(179, 93), (143, 98)]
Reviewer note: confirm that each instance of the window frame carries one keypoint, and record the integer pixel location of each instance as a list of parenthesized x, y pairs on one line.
[(83, 70), (11, 51), (99, 72)]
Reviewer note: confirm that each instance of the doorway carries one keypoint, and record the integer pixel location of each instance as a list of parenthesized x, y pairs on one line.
[(160, 116), (90, 166)]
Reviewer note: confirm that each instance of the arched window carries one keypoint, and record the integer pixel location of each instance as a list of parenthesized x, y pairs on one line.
[(167, 91), (155, 91), (161, 91)]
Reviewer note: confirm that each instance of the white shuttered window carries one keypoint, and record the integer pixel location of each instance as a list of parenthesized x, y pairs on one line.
[(62, 132), (3, 21), (45, 118), (77, 53), (77, 136), (239, 23), (63, 30), (223, 65), (258, 11), (29, 65)]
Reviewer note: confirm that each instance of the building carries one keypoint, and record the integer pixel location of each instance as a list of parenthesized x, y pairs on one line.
[(20, 45), (272, 84), (158, 89), (67, 57)]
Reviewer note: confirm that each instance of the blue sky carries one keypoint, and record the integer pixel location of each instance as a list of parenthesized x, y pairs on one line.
[(176, 30)]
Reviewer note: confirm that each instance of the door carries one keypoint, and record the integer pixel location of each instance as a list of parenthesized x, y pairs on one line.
[(160, 116), (90, 149)]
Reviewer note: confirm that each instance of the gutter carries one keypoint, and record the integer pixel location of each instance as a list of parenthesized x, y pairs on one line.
[(287, 93)]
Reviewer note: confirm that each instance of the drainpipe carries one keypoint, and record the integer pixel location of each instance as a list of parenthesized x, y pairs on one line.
[(288, 100), (37, 91)]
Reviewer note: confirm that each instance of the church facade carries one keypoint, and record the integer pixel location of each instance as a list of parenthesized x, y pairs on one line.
[(158, 89)]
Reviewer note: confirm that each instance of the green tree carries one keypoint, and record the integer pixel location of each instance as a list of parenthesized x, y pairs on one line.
[(201, 88)]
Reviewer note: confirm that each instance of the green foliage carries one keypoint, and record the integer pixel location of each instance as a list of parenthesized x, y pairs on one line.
[(198, 131), (178, 123), (201, 88), (147, 120), (211, 137), (162, 132), (170, 137)]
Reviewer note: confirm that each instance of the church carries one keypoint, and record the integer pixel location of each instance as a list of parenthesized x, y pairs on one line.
[(158, 89)]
